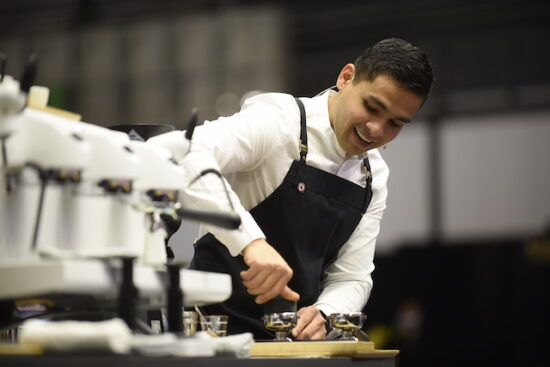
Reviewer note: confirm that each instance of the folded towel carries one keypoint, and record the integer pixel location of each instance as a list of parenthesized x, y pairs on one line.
[(154, 345), (112, 336), (238, 345)]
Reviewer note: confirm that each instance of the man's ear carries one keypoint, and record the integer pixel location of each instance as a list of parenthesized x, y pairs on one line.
[(346, 76)]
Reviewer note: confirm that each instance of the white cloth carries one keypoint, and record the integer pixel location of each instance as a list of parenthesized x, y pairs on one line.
[(114, 336), (200, 345), (237, 345), (156, 345), (64, 336), (254, 149), (169, 345)]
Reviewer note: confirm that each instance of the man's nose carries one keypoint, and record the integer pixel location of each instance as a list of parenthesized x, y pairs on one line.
[(375, 128)]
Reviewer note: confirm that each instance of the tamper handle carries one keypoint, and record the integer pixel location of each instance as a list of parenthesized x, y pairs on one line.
[(278, 305)]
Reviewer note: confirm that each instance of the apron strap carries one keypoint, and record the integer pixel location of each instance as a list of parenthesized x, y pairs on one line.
[(303, 130), (368, 186), (303, 155)]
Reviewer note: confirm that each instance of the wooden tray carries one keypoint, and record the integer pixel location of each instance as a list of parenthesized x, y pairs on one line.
[(333, 348)]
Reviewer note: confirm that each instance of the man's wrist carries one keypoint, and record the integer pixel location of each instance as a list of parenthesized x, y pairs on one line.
[(251, 244)]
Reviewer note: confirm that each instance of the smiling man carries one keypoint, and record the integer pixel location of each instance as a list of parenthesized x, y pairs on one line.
[(310, 186), (369, 114)]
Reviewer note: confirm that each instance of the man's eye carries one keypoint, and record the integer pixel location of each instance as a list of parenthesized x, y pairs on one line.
[(396, 123), (370, 108)]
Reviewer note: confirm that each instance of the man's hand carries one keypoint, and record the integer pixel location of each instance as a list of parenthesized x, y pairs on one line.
[(268, 273), (310, 325)]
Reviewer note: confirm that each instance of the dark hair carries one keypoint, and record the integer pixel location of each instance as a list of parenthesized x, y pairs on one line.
[(408, 65)]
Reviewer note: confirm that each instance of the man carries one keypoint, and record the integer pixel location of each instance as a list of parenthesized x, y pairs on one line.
[(310, 186)]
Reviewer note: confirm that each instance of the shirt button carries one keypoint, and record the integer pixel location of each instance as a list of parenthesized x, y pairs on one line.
[(301, 187)]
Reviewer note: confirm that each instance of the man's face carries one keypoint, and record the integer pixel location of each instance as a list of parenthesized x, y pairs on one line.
[(369, 114)]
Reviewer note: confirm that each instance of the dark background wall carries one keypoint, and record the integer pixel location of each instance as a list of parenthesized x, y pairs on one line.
[(473, 44), (471, 303)]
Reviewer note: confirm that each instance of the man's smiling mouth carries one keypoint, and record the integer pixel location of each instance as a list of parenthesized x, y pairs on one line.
[(363, 138)]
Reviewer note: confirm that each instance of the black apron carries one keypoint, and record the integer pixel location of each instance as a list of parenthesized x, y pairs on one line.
[(306, 219)]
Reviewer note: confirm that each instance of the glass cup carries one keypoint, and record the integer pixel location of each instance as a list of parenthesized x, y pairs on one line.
[(281, 324), (190, 320), (9, 336), (349, 323), (215, 325)]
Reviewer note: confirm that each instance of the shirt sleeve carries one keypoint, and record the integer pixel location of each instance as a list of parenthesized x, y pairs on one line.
[(230, 144), (348, 281)]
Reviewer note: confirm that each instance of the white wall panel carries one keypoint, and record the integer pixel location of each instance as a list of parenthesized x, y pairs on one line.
[(496, 175), (406, 218)]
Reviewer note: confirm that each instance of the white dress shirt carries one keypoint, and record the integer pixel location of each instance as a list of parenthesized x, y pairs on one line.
[(254, 149)]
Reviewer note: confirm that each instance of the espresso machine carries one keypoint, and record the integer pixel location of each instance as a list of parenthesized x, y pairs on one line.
[(80, 209), (43, 158)]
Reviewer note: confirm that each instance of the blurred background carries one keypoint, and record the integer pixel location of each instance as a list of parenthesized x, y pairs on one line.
[(463, 259)]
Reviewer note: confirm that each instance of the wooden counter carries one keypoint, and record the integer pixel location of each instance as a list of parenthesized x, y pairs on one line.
[(335, 348)]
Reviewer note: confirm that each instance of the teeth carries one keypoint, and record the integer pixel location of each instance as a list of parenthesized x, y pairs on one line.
[(362, 137)]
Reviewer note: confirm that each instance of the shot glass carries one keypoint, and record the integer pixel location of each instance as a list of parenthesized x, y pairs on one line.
[(190, 320), (215, 325), (349, 323), (281, 324)]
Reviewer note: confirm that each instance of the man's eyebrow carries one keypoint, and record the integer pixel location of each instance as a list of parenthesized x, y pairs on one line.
[(378, 102)]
